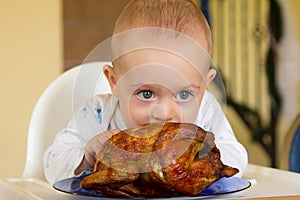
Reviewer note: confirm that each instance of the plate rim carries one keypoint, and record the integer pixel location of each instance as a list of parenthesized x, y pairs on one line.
[(91, 193)]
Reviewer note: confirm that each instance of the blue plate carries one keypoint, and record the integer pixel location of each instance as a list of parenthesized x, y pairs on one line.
[(222, 186)]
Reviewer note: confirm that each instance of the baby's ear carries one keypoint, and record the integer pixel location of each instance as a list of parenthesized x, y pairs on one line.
[(111, 77), (211, 75)]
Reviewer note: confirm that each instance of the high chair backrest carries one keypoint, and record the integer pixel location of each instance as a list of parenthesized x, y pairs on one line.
[(54, 109)]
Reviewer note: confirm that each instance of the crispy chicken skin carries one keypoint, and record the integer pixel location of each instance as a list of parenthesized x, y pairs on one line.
[(162, 159)]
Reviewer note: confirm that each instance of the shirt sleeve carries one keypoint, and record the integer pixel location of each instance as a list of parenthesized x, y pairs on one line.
[(212, 118), (64, 155), (67, 151)]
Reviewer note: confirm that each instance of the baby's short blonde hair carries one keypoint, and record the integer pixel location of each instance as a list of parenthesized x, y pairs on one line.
[(179, 15)]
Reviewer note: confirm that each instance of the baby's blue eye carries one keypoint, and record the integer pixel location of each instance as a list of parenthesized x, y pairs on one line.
[(184, 96), (146, 94)]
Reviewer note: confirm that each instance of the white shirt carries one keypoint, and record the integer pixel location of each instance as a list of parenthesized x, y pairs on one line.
[(102, 113)]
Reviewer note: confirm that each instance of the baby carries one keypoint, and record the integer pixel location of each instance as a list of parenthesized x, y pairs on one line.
[(160, 70)]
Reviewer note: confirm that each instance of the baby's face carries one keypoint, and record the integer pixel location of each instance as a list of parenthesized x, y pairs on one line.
[(155, 85)]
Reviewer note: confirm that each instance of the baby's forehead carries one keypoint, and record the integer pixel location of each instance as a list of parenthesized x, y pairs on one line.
[(161, 40), (153, 58), (173, 78)]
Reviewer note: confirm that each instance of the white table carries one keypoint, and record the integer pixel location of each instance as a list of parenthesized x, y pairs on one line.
[(266, 182)]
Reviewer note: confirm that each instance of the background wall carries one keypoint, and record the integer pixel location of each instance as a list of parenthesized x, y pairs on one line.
[(30, 58), (86, 24), (240, 44), (289, 68), (241, 39)]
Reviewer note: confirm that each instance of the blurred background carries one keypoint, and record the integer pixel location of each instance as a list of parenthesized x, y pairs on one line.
[(256, 48)]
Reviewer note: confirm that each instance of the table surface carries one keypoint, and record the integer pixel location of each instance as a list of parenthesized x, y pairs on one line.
[(266, 183)]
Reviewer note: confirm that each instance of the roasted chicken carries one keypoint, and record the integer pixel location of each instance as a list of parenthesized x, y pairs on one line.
[(157, 160)]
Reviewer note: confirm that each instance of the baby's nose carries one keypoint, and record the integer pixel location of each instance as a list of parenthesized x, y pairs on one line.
[(163, 112)]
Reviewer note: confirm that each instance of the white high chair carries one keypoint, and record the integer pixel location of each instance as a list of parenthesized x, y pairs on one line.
[(55, 107)]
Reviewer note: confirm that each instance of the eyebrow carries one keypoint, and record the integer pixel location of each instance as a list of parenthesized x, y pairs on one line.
[(194, 86)]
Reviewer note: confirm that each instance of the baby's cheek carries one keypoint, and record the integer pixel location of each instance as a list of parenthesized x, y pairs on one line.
[(132, 113), (189, 112), (139, 114), (189, 115)]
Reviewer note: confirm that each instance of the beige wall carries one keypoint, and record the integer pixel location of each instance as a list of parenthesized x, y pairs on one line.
[(30, 58), (294, 6)]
